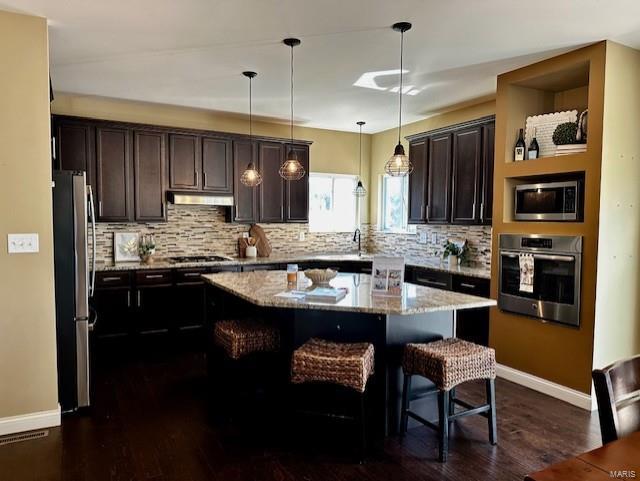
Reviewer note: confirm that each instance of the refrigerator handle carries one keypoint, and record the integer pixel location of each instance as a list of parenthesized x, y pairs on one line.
[(92, 213)]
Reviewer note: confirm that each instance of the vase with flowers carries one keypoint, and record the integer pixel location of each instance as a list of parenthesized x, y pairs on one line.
[(147, 248)]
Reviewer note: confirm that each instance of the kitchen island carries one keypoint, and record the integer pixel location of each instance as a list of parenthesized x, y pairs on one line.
[(421, 314)]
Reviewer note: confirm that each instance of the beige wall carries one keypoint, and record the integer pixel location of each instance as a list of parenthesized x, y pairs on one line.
[(332, 151), (383, 143), (617, 326), (27, 318)]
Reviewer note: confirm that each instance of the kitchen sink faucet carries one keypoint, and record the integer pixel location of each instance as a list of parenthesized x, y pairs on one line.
[(357, 236)]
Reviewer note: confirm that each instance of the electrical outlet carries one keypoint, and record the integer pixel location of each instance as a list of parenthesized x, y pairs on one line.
[(422, 238), (301, 236), (434, 238), (23, 243), (245, 235)]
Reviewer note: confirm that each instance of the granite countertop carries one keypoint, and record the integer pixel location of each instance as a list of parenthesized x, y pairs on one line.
[(260, 288), (435, 263)]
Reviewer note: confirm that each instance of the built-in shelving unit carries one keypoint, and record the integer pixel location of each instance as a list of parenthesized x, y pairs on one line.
[(571, 81)]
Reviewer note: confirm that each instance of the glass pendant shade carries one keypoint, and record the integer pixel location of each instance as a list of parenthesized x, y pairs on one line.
[(398, 165), (292, 169), (251, 177), (360, 191)]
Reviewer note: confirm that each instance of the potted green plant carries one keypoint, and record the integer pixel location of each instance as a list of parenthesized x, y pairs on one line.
[(146, 248), (568, 139), (455, 252)]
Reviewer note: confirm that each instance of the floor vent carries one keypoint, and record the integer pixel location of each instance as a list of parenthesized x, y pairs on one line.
[(16, 438)]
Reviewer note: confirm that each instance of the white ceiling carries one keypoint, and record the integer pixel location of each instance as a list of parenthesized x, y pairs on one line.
[(192, 52)]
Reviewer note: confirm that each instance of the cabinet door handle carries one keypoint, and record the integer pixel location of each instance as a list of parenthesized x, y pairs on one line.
[(481, 211), (110, 279), (192, 274), (468, 286), (430, 281), (128, 298), (100, 208), (139, 298), (422, 211), (154, 276), (473, 214), (427, 211), (197, 178), (204, 179)]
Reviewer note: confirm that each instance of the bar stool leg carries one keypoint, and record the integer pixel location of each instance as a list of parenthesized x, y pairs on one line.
[(363, 428), (491, 400), (452, 404), (443, 408), (406, 394)]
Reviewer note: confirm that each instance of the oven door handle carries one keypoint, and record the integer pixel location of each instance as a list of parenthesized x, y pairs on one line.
[(545, 257)]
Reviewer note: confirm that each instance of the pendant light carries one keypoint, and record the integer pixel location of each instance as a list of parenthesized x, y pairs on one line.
[(399, 164), (251, 177), (291, 169), (360, 191)]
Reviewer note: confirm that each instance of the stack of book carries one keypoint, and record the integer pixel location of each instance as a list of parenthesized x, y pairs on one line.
[(570, 149)]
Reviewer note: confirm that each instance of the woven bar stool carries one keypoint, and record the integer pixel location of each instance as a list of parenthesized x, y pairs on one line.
[(248, 358), (448, 363), (341, 365)]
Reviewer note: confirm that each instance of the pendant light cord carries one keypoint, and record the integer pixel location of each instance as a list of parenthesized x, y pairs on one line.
[(360, 168), (250, 113), (400, 91), (292, 96)]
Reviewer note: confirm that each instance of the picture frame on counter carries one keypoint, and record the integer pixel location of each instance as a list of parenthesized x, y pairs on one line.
[(125, 247), (387, 276)]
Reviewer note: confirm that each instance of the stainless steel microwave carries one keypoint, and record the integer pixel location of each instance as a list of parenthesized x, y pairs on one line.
[(549, 201)]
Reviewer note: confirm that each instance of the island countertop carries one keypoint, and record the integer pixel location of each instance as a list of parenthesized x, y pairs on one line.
[(260, 288)]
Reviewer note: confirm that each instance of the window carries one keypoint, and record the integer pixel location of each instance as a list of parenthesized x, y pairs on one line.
[(393, 212), (332, 205)]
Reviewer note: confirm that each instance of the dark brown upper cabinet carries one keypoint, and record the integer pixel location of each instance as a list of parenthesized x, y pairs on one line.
[(457, 183), (271, 191), (488, 152), (297, 191), (75, 147), (245, 210), (150, 172), (418, 182), (439, 179), (217, 166), (467, 158), (185, 162), (113, 174)]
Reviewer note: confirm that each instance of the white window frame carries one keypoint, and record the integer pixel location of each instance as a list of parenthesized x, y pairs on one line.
[(333, 177), (406, 227)]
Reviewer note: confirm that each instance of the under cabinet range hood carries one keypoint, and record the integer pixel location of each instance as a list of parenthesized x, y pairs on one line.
[(199, 198)]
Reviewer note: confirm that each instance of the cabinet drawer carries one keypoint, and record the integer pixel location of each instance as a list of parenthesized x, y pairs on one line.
[(146, 278), (429, 278), (112, 279), (471, 285), (190, 276)]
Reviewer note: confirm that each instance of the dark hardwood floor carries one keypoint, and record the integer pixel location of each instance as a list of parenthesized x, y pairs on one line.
[(151, 420)]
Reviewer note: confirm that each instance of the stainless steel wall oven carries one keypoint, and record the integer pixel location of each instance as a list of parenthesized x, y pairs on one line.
[(557, 262)]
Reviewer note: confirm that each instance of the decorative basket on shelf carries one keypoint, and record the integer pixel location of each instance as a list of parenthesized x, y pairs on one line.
[(320, 277)]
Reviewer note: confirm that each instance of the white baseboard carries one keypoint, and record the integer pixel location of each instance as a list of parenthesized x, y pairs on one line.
[(577, 398), (30, 422)]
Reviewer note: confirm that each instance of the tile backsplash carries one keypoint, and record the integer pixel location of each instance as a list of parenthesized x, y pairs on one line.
[(197, 230)]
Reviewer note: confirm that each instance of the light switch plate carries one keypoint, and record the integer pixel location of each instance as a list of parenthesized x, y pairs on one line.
[(301, 236), (422, 238), (23, 243), (434, 238)]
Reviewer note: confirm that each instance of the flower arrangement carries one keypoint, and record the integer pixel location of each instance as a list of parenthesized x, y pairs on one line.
[(146, 248), (455, 251)]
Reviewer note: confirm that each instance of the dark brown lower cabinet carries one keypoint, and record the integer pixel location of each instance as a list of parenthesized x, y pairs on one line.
[(153, 313), (113, 305)]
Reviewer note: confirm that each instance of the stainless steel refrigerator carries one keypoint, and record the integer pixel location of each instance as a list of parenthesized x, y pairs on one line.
[(74, 281)]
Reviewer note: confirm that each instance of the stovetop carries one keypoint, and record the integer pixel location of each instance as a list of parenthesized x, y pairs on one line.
[(186, 259)]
